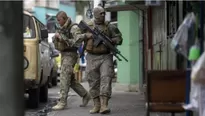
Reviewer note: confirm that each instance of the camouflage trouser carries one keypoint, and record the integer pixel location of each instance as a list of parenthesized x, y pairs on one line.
[(100, 71), (67, 78)]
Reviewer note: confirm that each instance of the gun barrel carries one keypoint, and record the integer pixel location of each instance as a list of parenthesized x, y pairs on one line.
[(118, 58), (124, 57)]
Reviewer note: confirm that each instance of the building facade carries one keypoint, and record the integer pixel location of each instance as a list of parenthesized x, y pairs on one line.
[(46, 10)]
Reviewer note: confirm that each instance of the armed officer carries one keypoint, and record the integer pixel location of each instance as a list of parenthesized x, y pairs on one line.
[(66, 42), (100, 68)]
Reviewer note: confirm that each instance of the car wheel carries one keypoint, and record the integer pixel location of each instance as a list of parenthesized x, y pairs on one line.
[(54, 81), (50, 81), (33, 100), (44, 93)]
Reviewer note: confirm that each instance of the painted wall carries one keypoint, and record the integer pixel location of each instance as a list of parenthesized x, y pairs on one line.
[(128, 72), (70, 10), (40, 12)]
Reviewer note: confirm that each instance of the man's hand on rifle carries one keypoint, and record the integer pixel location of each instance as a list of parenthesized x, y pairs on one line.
[(57, 36), (88, 35)]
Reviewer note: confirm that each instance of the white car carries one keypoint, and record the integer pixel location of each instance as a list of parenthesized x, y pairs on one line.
[(53, 63)]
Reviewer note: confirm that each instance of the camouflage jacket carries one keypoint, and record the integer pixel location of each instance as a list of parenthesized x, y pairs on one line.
[(68, 36), (110, 30)]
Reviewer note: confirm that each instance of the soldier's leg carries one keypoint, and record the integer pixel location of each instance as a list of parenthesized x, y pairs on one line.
[(107, 73), (93, 76), (81, 91), (94, 84), (65, 79)]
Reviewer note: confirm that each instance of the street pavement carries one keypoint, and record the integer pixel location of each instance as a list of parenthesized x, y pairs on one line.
[(121, 104)]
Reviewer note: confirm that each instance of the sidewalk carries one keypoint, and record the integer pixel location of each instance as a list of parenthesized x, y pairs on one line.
[(121, 104)]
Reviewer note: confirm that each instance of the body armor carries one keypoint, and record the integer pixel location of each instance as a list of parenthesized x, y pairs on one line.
[(64, 33), (101, 48)]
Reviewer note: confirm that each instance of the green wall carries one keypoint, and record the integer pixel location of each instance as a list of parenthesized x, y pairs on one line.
[(128, 23)]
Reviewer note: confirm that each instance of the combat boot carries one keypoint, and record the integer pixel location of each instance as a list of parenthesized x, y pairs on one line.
[(59, 106), (86, 99), (104, 105), (96, 107)]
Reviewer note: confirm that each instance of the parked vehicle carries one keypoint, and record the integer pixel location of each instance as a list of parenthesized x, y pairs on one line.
[(54, 67), (37, 55), (57, 60)]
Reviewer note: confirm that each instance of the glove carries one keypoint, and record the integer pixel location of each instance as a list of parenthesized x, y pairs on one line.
[(88, 35)]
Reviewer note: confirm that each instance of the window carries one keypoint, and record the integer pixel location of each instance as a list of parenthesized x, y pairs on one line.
[(113, 16), (29, 4), (41, 3), (40, 27), (53, 4), (51, 23), (28, 27)]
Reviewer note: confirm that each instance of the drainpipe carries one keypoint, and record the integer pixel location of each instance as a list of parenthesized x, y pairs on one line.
[(11, 59)]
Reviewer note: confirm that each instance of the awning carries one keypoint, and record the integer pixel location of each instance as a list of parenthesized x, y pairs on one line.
[(124, 8), (127, 6)]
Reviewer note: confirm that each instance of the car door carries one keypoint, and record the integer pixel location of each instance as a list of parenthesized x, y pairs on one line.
[(44, 52)]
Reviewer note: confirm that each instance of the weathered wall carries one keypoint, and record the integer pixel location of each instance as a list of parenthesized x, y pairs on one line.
[(163, 56)]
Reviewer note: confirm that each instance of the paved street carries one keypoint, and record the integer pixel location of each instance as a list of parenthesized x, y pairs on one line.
[(121, 104)]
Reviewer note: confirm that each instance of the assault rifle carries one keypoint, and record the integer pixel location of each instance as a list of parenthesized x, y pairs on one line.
[(100, 37), (57, 28)]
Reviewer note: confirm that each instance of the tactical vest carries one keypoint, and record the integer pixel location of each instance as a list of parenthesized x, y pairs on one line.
[(101, 48), (63, 45)]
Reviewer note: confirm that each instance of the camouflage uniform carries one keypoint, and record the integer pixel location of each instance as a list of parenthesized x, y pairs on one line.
[(69, 57), (100, 71), (100, 68)]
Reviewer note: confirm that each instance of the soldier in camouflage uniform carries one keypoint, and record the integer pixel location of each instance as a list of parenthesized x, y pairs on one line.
[(100, 68), (66, 42)]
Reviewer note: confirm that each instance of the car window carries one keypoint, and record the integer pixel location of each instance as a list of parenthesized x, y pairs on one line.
[(28, 27), (41, 26)]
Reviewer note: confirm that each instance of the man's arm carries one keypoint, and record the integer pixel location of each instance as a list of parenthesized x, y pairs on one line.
[(59, 37), (78, 36), (116, 35)]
